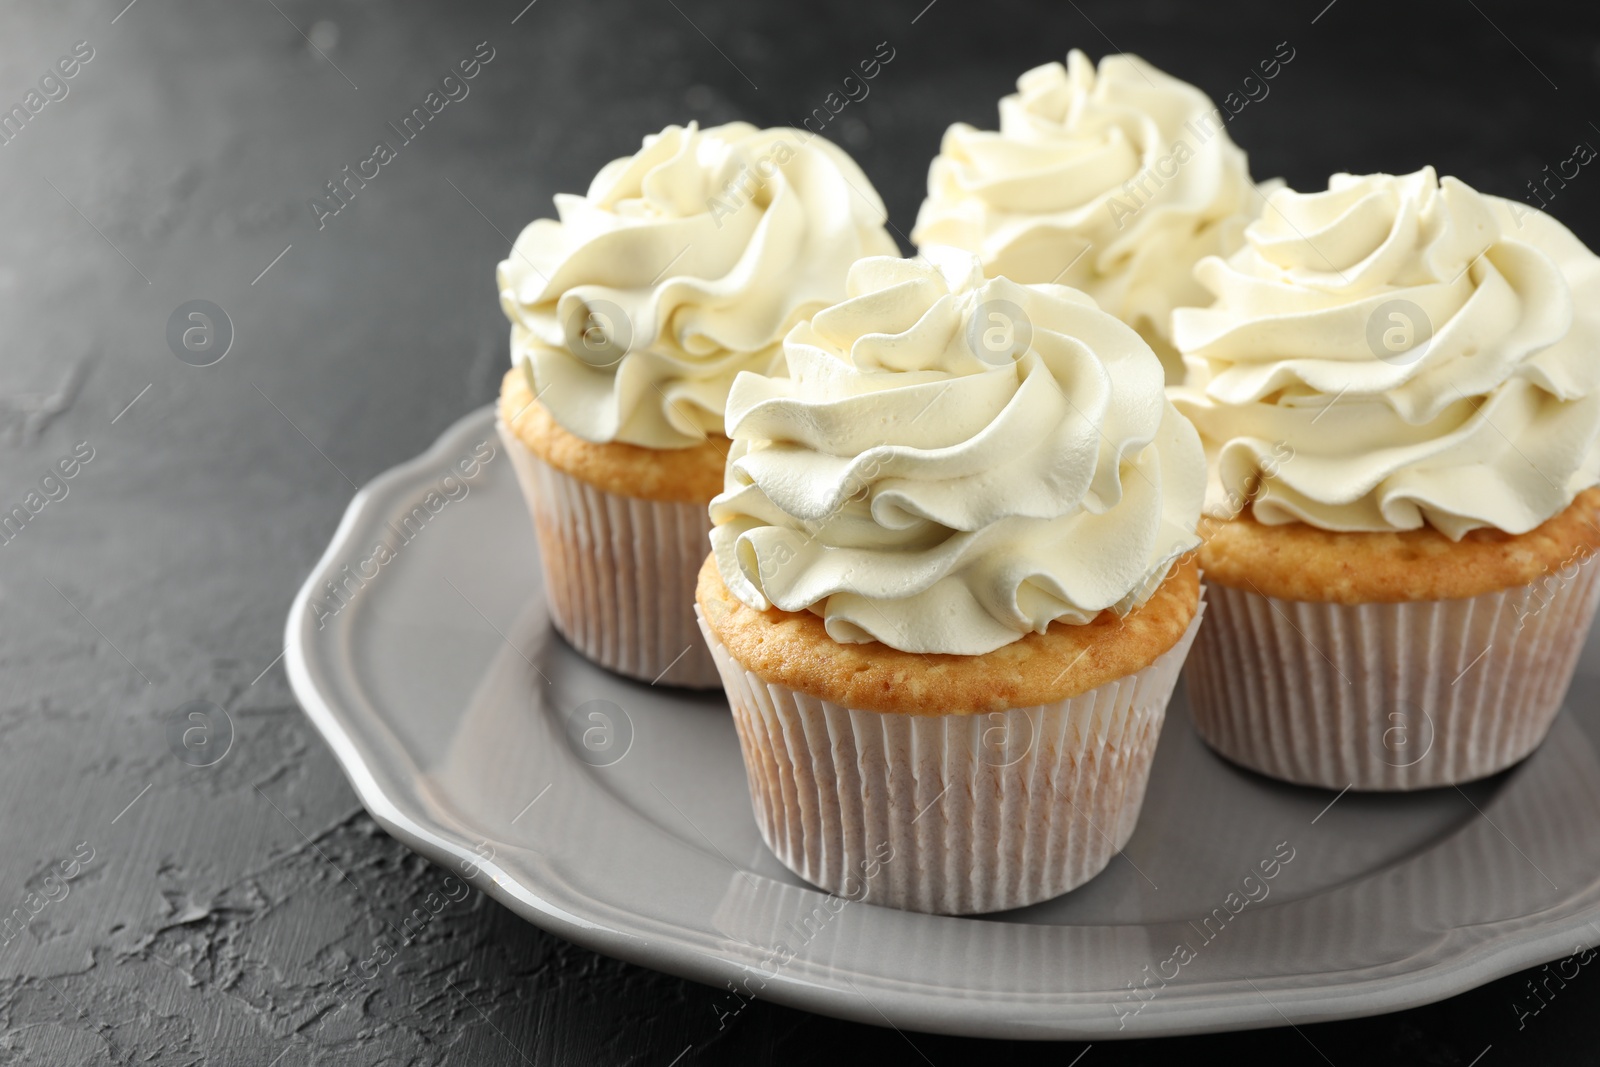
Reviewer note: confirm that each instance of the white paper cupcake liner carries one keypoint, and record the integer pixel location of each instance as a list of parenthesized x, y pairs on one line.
[(952, 814), (619, 572), (1388, 696)]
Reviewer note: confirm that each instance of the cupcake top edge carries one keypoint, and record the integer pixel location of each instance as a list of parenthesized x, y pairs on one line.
[(953, 462), (1393, 352), (682, 265)]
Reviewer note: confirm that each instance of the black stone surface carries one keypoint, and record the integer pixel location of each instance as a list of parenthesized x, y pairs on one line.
[(222, 902)]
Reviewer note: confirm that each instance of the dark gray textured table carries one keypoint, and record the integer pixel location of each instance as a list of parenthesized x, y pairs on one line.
[(222, 902)]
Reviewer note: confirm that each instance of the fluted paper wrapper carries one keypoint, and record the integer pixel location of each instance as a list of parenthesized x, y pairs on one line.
[(619, 572), (1388, 696), (951, 814)]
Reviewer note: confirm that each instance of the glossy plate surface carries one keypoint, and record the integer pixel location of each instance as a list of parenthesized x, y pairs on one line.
[(616, 814)]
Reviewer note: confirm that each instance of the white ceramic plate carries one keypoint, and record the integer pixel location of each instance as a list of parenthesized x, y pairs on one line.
[(616, 814)]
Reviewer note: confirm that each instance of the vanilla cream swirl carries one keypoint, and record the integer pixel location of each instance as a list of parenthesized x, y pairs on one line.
[(954, 462), (1115, 182), (1407, 351), (683, 265)]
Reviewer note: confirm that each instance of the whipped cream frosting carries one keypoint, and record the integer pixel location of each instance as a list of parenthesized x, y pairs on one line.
[(683, 265), (1114, 181), (1394, 352), (954, 462)]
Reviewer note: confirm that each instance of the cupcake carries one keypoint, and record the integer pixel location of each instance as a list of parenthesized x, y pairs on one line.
[(942, 591), (1399, 394), (631, 314), (1116, 182)]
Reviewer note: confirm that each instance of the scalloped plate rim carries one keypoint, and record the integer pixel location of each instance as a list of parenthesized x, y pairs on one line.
[(1221, 1005)]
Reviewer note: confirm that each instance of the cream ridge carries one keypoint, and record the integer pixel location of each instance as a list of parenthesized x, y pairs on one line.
[(1115, 180), (954, 462), (683, 265), (1397, 351)]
